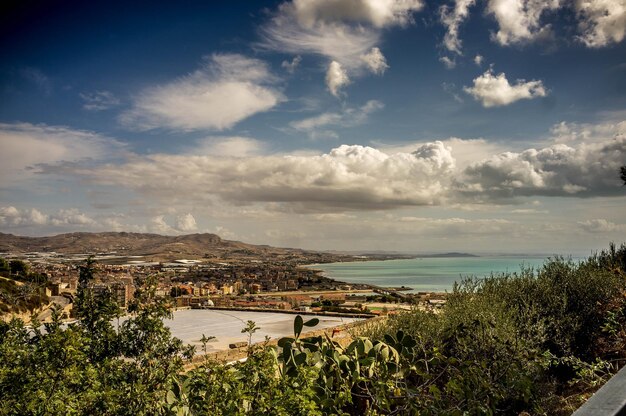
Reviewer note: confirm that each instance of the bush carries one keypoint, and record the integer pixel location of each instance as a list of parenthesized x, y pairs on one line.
[(520, 340), (534, 341)]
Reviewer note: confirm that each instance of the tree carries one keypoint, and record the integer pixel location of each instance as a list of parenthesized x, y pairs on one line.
[(87, 367), (4, 265), (18, 267), (178, 291), (250, 329), (622, 174), (96, 311)]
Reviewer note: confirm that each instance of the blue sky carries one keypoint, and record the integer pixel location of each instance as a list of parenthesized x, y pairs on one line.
[(493, 125)]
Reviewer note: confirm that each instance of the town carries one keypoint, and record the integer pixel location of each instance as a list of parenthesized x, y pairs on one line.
[(249, 284)]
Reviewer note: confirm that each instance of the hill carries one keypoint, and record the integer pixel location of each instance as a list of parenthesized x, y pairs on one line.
[(159, 247)]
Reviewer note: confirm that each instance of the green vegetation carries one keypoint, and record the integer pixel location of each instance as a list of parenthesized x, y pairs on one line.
[(538, 341)]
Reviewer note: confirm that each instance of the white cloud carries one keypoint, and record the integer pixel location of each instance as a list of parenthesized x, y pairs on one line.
[(350, 177), (235, 146), (159, 225), (14, 217), (583, 170), (455, 225), (529, 211), (378, 13), (570, 133), (26, 145), (375, 61), (448, 62), (520, 20), (71, 216), (600, 225), (227, 89), (343, 31), (452, 173), (452, 19), (601, 22), (336, 78), (335, 41), (495, 90), (346, 118), (316, 122), (99, 100), (11, 216), (186, 222), (34, 221), (478, 60), (291, 66)]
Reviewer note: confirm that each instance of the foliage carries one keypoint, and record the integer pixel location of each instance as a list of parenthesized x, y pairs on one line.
[(250, 329), (4, 265), (526, 341), (533, 341), (89, 368), (18, 267)]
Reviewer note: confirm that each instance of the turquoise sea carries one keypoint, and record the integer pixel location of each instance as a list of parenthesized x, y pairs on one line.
[(424, 274)]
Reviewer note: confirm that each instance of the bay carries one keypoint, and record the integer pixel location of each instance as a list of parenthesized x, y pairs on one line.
[(427, 274)]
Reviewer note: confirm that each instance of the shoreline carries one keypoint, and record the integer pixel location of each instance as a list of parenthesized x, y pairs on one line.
[(427, 274)]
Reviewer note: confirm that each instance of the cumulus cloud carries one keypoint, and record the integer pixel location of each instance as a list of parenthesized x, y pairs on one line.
[(375, 61), (346, 118), (343, 31), (478, 60), (520, 21), (495, 90), (336, 78), (26, 145), (186, 222), (159, 225), (352, 177), (35, 221), (454, 173), (451, 18), (568, 132), (14, 217), (601, 22), (583, 170), (227, 89), (99, 100)]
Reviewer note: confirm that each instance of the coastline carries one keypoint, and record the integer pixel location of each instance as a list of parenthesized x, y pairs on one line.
[(423, 274)]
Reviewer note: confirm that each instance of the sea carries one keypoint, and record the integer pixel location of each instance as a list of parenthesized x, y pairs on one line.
[(427, 274)]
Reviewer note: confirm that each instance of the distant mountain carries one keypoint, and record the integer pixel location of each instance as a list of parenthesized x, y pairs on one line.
[(446, 255), (157, 247), (401, 254)]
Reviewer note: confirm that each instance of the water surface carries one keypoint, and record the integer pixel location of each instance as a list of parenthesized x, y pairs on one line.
[(424, 274)]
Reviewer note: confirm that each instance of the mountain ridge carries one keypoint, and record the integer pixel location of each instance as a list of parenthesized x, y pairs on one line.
[(192, 246)]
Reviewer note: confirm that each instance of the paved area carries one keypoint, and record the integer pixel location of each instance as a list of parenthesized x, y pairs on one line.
[(226, 326)]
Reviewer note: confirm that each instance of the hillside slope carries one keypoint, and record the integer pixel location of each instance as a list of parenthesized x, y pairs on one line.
[(191, 246)]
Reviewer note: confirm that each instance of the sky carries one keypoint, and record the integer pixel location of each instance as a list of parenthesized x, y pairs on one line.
[(484, 126)]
